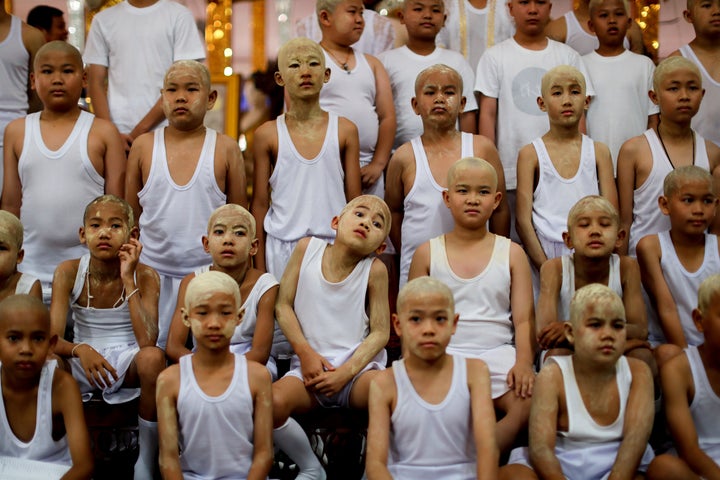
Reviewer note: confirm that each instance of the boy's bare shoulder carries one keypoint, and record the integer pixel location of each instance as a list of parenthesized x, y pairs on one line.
[(258, 374), (168, 380), (67, 268), (713, 154), (528, 153), (550, 374), (226, 144), (639, 368), (62, 381), (377, 269), (266, 133), (144, 143), (628, 265), (476, 368), (551, 268), (515, 249), (403, 156), (678, 367), (385, 381), (634, 147), (345, 126), (147, 272), (647, 245), (103, 127)]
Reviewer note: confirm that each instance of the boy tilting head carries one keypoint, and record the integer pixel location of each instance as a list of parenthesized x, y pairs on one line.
[(645, 160), (674, 262), (592, 412), (215, 408), (430, 414), (11, 254), (40, 409), (113, 299), (559, 168), (496, 326), (232, 244), (333, 308), (593, 233), (691, 382)]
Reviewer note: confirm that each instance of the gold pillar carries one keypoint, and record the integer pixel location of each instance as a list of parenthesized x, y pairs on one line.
[(258, 34), (218, 37), (648, 17)]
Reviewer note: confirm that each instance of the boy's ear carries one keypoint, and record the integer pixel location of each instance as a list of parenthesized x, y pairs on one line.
[(588, 99), (20, 256), (697, 318), (32, 81), (135, 233), (278, 79), (335, 222), (498, 199), (81, 235), (541, 104), (446, 197), (687, 15), (241, 314), (381, 248), (254, 247), (455, 321), (396, 324), (53, 342), (84, 77), (206, 243), (653, 96), (326, 78), (185, 317), (463, 101), (663, 204), (324, 18), (567, 239), (620, 237), (591, 26), (414, 104), (569, 333), (212, 98)]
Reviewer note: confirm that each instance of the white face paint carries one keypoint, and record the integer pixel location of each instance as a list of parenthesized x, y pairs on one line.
[(210, 314)]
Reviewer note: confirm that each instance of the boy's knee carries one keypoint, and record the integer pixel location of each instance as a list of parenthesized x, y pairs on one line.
[(150, 362), (669, 467), (663, 353)]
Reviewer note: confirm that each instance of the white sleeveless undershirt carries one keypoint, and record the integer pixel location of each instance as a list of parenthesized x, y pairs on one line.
[(567, 289), (14, 64), (42, 447), (215, 433), (707, 120), (704, 407), (426, 215), (432, 441), (174, 217), (57, 185)]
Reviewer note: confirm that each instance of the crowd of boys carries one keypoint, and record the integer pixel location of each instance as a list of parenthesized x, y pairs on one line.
[(169, 265)]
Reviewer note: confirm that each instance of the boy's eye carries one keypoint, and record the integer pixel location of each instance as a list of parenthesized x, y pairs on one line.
[(377, 224), (116, 225), (240, 233), (13, 338), (218, 231), (414, 318), (441, 319)]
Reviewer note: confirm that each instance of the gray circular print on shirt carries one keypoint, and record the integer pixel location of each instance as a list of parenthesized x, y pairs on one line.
[(526, 90)]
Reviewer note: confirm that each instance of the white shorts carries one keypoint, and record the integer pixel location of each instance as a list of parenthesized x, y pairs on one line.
[(500, 361), (120, 357), (342, 398), (169, 288)]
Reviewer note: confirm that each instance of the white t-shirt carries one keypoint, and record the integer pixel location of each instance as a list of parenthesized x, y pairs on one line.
[(403, 66), (512, 74), (466, 28), (138, 45), (707, 120), (378, 34), (621, 106)]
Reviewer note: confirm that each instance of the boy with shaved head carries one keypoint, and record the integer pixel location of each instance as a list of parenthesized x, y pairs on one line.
[(57, 161)]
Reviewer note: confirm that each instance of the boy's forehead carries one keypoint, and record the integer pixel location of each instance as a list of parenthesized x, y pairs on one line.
[(431, 3), (185, 73), (681, 75), (440, 79), (693, 185), (58, 56), (604, 308), (231, 219), (300, 52)]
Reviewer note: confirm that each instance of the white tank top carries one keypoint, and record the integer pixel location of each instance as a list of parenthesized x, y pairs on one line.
[(216, 433), (555, 195), (684, 285), (24, 284), (647, 217), (484, 319), (581, 41), (332, 315), (581, 426), (57, 185), (432, 441), (174, 217), (100, 327), (14, 64), (426, 215), (306, 193), (42, 447), (704, 407), (359, 107), (567, 289), (707, 120), (245, 331)]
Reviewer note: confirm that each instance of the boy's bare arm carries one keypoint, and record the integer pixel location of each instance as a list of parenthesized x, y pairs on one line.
[(678, 391), (557, 30), (649, 256), (114, 159), (542, 429), (639, 414), (261, 390), (521, 376), (420, 265), (140, 154), (635, 310), (63, 281), (500, 219), (32, 39), (382, 394), (168, 387), (311, 362), (178, 332), (488, 117), (527, 167), (550, 329), (66, 399), (264, 327), (143, 304), (606, 173), (469, 121), (264, 154), (483, 419), (395, 191), (234, 166), (154, 116), (713, 152), (12, 188), (350, 156), (385, 108), (331, 382), (626, 165)]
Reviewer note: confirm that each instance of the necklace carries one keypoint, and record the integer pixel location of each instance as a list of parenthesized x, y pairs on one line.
[(665, 149), (117, 303), (343, 65)]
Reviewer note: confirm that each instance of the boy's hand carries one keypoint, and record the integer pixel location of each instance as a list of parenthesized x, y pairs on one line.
[(329, 383), (96, 367), (521, 379), (129, 256), (552, 335), (369, 174), (312, 364)]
